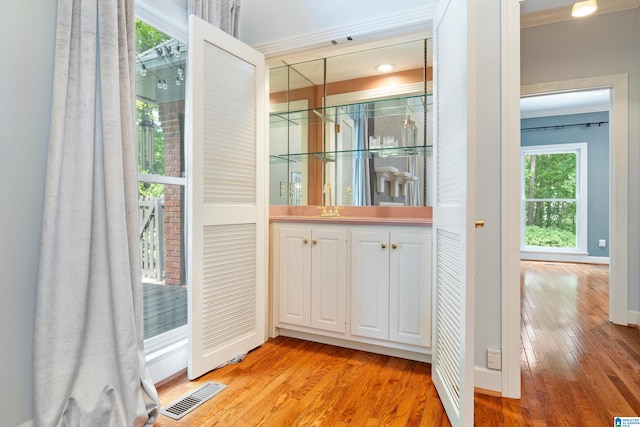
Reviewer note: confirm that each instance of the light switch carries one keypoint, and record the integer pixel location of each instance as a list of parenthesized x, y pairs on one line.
[(494, 359), (602, 243)]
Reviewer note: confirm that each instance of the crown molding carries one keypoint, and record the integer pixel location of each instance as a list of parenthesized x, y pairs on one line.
[(411, 22), (560, 14)]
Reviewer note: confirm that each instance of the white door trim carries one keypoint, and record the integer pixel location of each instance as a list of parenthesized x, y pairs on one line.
[(510, 209), (618, 179)]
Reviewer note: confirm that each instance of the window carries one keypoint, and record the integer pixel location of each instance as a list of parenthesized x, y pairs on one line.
[(160, 93), (554, 205)]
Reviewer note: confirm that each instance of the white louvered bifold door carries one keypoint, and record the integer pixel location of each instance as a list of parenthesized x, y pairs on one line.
[(226, 210), (454, 160)]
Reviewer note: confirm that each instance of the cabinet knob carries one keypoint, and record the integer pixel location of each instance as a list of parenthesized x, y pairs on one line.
[(384, 245), (305, 241), (394, 246), (313, 242)]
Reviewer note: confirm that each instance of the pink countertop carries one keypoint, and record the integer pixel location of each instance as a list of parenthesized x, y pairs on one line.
[(406, 215)]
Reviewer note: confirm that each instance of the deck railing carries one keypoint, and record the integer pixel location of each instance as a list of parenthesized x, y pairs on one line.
[(151, 214)]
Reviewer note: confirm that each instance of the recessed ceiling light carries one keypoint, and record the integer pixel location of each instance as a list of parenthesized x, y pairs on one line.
[(583, 8), (385, 68)]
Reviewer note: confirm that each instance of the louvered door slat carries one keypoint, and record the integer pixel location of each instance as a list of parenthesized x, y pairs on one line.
[(227, 233), (454, 160)]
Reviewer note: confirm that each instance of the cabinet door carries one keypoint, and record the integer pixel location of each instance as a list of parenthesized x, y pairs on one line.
[(370, 284), (294, 271), (328, 279), (409, 288)]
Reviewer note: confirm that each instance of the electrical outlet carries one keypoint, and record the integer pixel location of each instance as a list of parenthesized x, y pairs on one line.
[(494, 359), (602, 243)]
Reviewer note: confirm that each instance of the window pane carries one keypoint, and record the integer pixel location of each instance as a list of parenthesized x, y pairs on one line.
[(550, 224), (161, 211), (160, 89), (550, 176), (160, 92)]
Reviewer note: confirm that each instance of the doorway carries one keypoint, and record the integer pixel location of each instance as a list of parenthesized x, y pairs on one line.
[(618, 178), (564, 178), (618, 222)]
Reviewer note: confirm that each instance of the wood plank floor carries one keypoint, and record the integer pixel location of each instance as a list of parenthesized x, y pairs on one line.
[(577, 370)]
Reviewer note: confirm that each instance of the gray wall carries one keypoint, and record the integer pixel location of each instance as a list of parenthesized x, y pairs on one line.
[(597, 139), (488, 183), (27, 31), (596, 46)]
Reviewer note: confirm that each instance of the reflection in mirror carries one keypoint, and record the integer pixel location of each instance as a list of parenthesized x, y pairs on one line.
[(343, 133)]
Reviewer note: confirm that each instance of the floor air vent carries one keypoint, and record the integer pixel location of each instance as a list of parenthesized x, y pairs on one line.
[(192, 400)]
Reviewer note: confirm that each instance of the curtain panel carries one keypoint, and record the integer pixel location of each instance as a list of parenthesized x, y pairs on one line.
[(88, 351), (222, 14)]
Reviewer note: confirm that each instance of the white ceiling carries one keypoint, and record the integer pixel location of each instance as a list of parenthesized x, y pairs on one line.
[(528, 6), (564, 103), (541, 12), (410, 55)]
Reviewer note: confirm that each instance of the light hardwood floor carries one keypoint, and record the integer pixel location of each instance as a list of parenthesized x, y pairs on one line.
[(577, 370)]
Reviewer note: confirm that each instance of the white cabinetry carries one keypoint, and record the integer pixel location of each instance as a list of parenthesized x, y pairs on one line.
[(390, 292), (294, 267), (359, 286), (370, 284), (409, 288), (312, 277)]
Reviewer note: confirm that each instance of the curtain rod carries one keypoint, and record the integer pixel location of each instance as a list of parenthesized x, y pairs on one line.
[(557, 127)]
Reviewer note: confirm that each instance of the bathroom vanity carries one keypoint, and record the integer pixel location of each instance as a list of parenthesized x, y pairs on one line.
[(349, 175), (361, 280)]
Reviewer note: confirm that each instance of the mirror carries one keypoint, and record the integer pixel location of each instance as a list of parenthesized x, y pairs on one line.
[(343, 133)]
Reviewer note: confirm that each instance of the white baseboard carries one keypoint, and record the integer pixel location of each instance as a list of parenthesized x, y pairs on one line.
[(167, 353), (355, 345), (560, 257), (168, 361), (633, 317), (488, 379)]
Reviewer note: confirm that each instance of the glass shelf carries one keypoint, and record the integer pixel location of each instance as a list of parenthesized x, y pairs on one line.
[(370, 153), (388, 107), (337, 137)]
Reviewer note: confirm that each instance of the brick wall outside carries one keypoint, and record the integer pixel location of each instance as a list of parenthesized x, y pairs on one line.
[(171, 114)]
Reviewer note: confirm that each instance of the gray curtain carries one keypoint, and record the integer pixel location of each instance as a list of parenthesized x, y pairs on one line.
[(362, 173), (221, 14), (88, 351)]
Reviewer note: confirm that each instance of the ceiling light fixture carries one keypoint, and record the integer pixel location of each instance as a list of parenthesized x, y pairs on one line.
[(584, 8), (385, 68)]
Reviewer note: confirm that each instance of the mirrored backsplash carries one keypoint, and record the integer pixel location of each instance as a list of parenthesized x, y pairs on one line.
[(343, 133)]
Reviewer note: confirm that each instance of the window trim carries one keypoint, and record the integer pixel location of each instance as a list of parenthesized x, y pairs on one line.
[(580, 149), (168, 16), (165, 354), (153, 178)]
